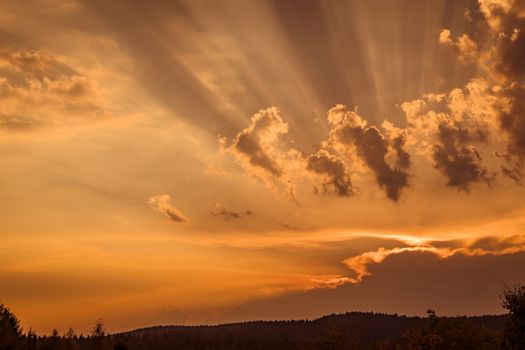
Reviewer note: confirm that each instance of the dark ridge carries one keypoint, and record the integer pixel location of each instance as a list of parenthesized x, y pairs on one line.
[(362, 328)]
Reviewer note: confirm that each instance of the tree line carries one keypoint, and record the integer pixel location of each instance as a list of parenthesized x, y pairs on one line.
[(356, 330)]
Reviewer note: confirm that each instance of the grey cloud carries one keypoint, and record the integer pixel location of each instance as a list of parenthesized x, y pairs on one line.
[(506, 19), (458, 161), (248, 145), (511, 49), (507, 22), (403, 157), (256, 142), (412, 279), (512, 168), (334, 170), (373, 148), (511, 53), (500, 33), (513, 123)]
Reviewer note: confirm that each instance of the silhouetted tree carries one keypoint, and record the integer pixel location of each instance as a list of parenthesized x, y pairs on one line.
[(70, 334), (98, 334), (99, 330), (513, 299), (31, 340), (441, 333), (10, 330)]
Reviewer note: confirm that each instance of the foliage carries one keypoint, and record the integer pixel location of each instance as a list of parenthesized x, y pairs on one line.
[(513, 299), (10, 330), (99, 330), (350, 331)]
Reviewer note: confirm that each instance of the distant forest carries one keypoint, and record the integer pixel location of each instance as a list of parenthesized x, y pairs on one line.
[(349, 331)]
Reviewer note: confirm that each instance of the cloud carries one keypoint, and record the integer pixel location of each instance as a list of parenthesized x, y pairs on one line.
[(37, 89), (465, 48), (259, 150), (502, 60), (162, 204), (333, 170), (221, 211), (457, 285), (460, 163), (493, 246), (449, 129), (257, 142), (513, 123), (350, 133), (466, 133)]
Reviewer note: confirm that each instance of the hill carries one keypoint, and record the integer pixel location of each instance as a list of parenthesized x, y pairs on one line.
[(350, 330)]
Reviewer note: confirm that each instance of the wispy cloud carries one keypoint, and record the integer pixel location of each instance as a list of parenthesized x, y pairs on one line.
[(221, 211), (162, 204), (37, 89)]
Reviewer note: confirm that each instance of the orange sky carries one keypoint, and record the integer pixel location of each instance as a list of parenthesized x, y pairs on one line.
[(183, 162)]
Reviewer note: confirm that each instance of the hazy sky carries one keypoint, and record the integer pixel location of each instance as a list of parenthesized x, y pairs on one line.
[(183, 162)]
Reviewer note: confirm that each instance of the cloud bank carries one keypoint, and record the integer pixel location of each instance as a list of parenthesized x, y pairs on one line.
[(37, 89), (469, 134)]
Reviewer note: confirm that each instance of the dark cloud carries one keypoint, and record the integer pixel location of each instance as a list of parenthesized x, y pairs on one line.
[(403, 157), (447, 128), (500, 34), (373, 147), (415, 280), (458, 161), (256, 142), (350, 130), (334, 171), (506, 20), (513, 123), (512, 168), (248, 145), (511, 53)]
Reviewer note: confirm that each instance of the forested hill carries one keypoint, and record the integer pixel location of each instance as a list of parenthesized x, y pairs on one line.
[(357, 328)]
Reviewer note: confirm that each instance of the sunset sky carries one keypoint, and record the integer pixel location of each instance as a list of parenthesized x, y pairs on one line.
[(192, 161)]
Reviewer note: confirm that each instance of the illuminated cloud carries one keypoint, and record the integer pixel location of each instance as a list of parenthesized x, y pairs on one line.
[(502, 93), (464, 46), (456, 131), (350, 135), (37, 89), (258, 142), (193, 73), (259, 150), (162, 204), (449, 128), (486, 246), (336, 179)]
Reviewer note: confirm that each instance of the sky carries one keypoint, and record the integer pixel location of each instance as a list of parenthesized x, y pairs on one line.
[(200, 162)]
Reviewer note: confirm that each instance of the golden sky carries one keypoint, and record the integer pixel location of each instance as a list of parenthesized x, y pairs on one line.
[(191, 161)]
